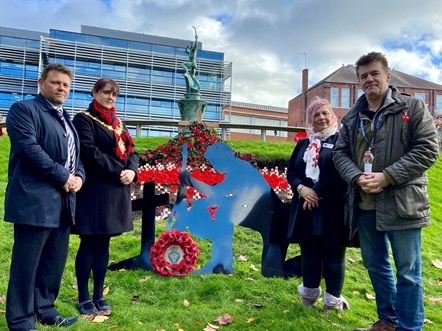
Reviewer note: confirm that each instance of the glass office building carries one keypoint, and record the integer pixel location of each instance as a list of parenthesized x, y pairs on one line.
[(147, 68)]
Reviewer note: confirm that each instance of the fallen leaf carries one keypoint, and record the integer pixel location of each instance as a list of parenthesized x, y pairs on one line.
[(285, 311), (439, 281), (249, 279), (75, 287), (437, 263), (252, 266), (356, 292), (435, 299), (2, 299), (239, 300), (258, 305), (250, 320), (198, 323), (427, 321), (2, 311), (144, 279), (212, 326), (186, 303), (100, 319), (369, 296), (121, 270), (224, 319), (105, 290), (242, 258), (351, 260), (160, 330), (88, 317)]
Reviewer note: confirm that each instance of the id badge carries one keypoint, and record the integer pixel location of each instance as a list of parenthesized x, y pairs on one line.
[(368, 161)]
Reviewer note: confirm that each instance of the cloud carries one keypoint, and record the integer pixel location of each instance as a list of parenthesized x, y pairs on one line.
[(264, 39)]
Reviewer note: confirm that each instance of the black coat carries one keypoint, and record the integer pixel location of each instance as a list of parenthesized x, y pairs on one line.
[(327, 220), (103, 203), (36, 173)]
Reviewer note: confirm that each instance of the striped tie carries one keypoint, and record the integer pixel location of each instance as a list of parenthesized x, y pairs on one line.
[(72, 153)]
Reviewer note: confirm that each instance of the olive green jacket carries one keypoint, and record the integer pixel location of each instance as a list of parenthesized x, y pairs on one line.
[(406, 146)]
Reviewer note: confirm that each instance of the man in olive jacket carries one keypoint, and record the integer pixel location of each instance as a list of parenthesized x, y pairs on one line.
[(44, 174), (387, 142)]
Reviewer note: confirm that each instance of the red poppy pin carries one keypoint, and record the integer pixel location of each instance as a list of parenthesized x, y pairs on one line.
[(405, 118)]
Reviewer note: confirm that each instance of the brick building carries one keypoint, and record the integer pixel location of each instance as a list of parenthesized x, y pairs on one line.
[(342, 89), (254, 114)]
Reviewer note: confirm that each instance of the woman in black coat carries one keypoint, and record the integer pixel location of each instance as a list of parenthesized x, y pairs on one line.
[(103, 204), (317, 219)]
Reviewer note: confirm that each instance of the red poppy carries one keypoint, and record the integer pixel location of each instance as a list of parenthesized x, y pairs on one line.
[(405, 118)]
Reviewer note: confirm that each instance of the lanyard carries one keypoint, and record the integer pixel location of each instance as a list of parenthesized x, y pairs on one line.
[(378, 123)]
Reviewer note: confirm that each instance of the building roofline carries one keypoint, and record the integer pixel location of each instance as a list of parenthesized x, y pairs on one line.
[(347, 75), (259, 107), (135, 36), (22, 33)]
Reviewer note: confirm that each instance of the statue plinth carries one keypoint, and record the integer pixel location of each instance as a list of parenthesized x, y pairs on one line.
[(192, 107)]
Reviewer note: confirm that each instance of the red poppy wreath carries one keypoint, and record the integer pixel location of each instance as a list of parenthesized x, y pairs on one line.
[(174, 254)]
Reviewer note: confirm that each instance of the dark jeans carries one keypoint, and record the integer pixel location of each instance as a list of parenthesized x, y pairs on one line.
[(320, 260)]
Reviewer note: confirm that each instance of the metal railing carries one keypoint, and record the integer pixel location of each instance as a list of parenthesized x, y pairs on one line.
[(217, 125), (223, 126)]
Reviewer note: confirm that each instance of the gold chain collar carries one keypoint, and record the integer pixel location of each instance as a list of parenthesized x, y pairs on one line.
[(118, 130)]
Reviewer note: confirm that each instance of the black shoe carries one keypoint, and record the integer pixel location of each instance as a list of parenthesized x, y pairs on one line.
[(60, 320), (102, 306), (87, 308)]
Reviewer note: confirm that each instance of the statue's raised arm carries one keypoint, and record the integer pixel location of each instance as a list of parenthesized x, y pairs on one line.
[(192, 83)]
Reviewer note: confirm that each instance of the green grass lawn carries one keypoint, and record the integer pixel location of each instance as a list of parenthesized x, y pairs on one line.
[(146, 301)]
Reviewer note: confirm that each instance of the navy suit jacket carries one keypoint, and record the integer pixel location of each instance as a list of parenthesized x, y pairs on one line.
[(36, 173)]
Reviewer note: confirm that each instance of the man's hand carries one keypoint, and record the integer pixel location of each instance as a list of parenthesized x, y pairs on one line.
[(78, 183), (372, 182), (70, 182)]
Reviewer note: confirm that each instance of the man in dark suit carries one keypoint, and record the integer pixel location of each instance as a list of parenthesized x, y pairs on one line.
[(44, 174)]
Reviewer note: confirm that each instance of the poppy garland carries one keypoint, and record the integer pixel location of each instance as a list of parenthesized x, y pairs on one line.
[(174, 254)]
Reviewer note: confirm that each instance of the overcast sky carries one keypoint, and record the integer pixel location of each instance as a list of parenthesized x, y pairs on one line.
[(265, 40)]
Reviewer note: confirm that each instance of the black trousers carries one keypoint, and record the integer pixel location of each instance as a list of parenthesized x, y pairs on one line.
[(38, 259), (319, 260)]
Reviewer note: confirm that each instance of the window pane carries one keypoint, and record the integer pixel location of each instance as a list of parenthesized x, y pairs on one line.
[(163, 49), (439, 104), (420, 95), (14, 41), (89, 39), (334, 97), (345, 97)]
